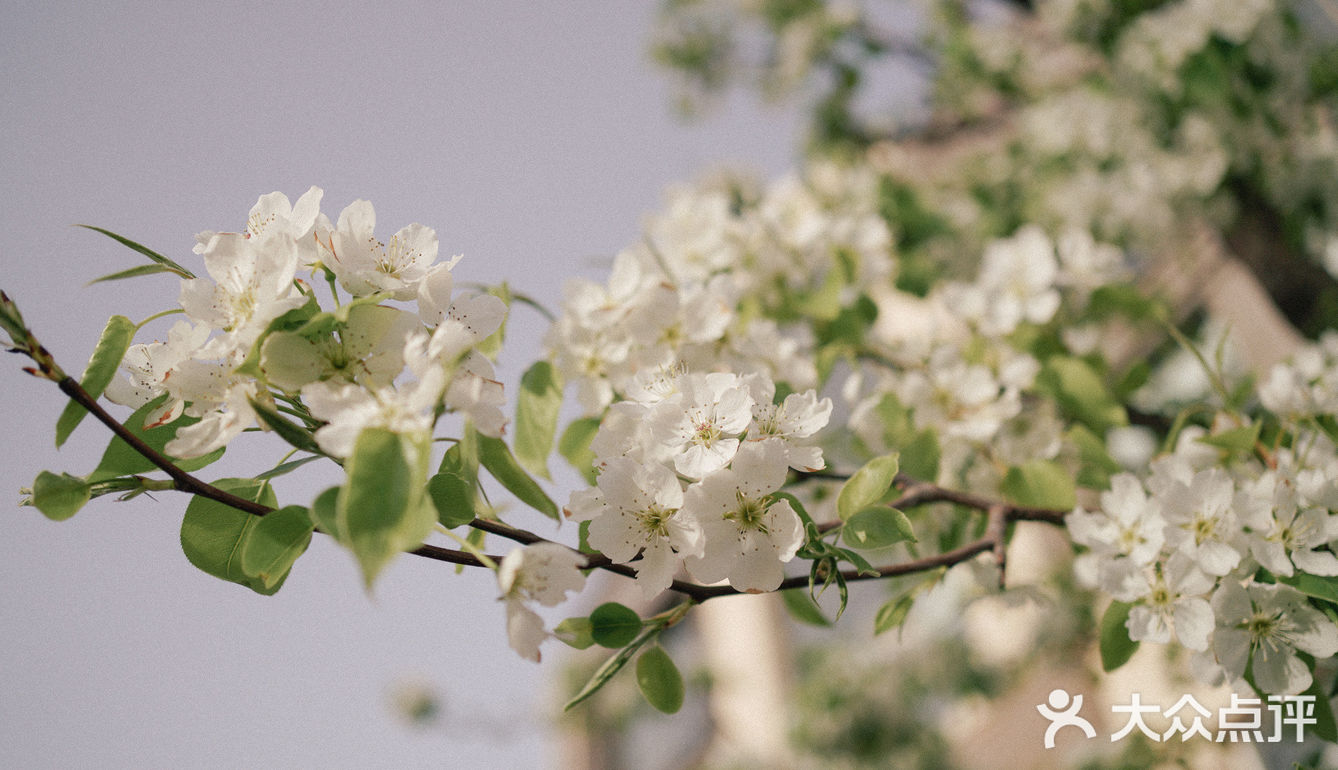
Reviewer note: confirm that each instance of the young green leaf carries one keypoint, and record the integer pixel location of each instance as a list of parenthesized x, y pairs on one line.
[(59, 497), (452, 496), (892, 614), (325, 514), (1241, 440), (288, 467), (133, 272), (610, 667), (1040, 483), (877, 527), (919, 458), (1097, 464), (111, 347), (146, 251), (867, 485), (213, 535), (802, 608), (497, 458), (1116, 646), (614, 625), (1325, 588), (1081, 393), (536, 417), (575, 446), (659, 681), (381, 509), (274, 543), (120, 459), (575, 633), (297, 436)]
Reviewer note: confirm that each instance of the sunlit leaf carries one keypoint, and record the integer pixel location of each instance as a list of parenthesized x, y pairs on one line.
[(111, 347)]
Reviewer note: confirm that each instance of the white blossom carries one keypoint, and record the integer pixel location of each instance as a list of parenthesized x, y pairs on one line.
[(541, 573), (748, 535)]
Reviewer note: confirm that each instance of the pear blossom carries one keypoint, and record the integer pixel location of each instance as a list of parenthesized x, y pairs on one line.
[(1124, 536), (1175, 598), (542, 573), (1285, 532), (365, 265), (696, 236), (147, 366), (347, 408), (252, 284), (1201, 521), (799, 416), (639, 512), (219, 397), (748, 535), (703, 420), (475, 391), (1265, 626), (273, 213)]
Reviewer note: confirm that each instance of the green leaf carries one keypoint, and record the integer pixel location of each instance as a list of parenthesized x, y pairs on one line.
[(1097, 464), (919, 459), (536, 417), (802, 608), (59, 497), (614, 625), (287, 321), (1241, 440), (381, 508), (575, 446), (1040, 484), (575, 633), (1116, 646), (659, 681), (274, 543), (497, 458), (892, 614), (877, 527), (325, 514), (120, 459), (452, 491), (610, 667), (867, 486), (133, 272), (115, 339), (1081, 393), (288, 467), (146, 251), (1325, 588), (297, 436), (213, 535)]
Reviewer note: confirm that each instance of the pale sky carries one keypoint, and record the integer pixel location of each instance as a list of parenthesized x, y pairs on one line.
[(532, 136)]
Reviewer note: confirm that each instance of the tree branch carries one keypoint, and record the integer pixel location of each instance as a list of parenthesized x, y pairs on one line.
[(914, 493)]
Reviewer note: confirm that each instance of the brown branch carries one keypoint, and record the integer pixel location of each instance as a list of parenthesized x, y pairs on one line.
[(914, 492), (185, 482)]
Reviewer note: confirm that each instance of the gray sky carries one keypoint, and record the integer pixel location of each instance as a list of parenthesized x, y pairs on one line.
[(533, 136)]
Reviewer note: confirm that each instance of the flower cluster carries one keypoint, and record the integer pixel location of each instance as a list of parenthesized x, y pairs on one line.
[(948, 363), (1185, 547), (688, 468), (707, 285), (255, 334)]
